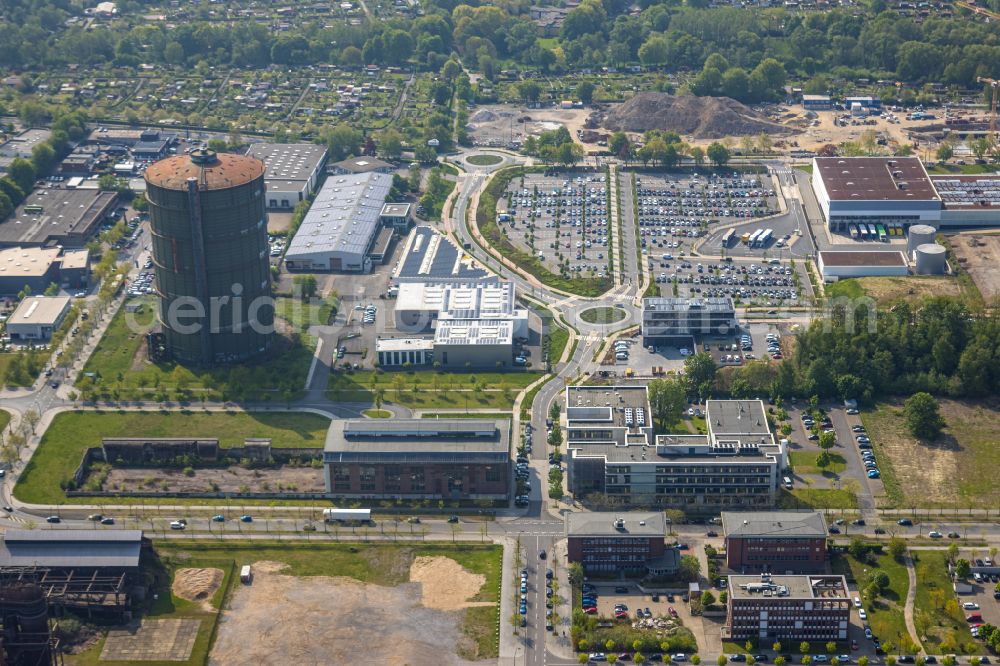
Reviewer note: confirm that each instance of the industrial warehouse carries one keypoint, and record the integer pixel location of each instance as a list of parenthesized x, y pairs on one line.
[(898, 192), (57, 216), (292, 171), (36, 268)]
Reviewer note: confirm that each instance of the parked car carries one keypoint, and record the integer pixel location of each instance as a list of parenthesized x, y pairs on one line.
[(177, 525), (53, 519)]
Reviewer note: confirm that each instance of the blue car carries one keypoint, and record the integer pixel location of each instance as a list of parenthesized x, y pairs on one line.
[(524, 609), (246, 518), (587, 601), (874, 474), (524, 587), (218, 518)]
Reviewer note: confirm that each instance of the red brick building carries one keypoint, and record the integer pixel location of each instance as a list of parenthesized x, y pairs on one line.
[(620, 542), (775, 541), (769, 608), (450, 459)]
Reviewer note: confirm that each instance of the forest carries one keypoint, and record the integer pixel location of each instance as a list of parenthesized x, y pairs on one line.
[(723, 46)]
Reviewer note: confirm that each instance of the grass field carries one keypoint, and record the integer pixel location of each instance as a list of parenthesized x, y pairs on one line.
[(377, 413), (886, 614), (887, 289), (4, 419), (938, 616), (817, 498), (303, 314), (429, 389), (602, 315), (120, 364), (804, 462), (63, 444), (957, 470), (484, 160)]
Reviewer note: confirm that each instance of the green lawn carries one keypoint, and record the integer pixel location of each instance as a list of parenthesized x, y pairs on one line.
[(377, 413), (558, 338), (430, 389), (63, 444), (885, 615), (938, 615), (817, 498), (484, 160), (956, 471), (303, 314), (602, 315), (844, 289), (804, 462), (120, 367), (4, 419)]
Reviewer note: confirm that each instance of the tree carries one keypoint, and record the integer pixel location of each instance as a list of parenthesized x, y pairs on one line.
[(776, 646), (922, 416), (779, 661), (722, 660), (585, 91), (43, 157), (827, 440), (857, 549), (305, 285), (700, 371), (897, 548), (717, 153), (391, 144), (173, 53), (823, 460), (963, 569), (698, 155), (22, 173), (529, 91), (655, 51), (831, 647), (862, 663), (804, 647), (707, 598), (879, 579), (944, 152), (667, 398)]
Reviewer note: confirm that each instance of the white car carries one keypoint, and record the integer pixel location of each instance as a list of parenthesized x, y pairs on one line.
[(857, 602), (177, 525), (685, 351), (969, 605), (934, 534), (862, 614)]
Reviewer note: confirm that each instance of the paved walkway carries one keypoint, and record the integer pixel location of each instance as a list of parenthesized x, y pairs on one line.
[(614, 228), (911, 596)]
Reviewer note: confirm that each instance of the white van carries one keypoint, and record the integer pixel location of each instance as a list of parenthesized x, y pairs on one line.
[(788, 482)]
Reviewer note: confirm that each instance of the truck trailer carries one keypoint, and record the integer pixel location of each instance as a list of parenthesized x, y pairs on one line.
[(347, 515)]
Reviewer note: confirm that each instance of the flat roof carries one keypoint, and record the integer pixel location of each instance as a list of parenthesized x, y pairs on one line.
[(63, 213), (430, 255), (404, 344), (474, 332), (736, 417), (446, 440), (75, 259), (22, 144), (669, 304), (607, 406), (361, 164), (343, 217), (616, 523), (288, 162), (875, 179), (70, 548), (26, 261), (854, 258), (777, 524), (968, 192), (818, 586), (40, 310), (634, 453), (396, 210), (458, 301)]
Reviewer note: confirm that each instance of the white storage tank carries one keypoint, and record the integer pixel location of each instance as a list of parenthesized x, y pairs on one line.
[(919, 234), (930, 259)]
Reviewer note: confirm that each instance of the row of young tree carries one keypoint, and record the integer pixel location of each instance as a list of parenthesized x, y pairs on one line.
[(875, 43)]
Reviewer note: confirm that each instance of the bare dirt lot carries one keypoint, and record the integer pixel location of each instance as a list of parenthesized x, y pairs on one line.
[(979, 254), (230, 479), (338, 620), (957, 469), (498, 124), (885, 289)]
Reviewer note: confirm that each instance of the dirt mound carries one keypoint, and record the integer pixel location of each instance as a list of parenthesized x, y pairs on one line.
[(484, 116), (196, 584), (700, 117), (445, 584)]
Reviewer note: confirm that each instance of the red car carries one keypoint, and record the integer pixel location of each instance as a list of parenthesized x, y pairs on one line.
[(621, 615), (672, 611), (590, 610)]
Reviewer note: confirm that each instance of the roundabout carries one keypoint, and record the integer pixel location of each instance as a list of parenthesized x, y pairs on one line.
[(603, 315)]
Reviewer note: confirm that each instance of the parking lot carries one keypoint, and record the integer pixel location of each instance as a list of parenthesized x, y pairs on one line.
[(766, 284), (665, 607), (674, 211), (562, 219)]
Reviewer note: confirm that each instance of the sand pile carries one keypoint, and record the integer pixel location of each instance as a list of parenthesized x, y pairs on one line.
[(700, 117), (196, 584), (445, 584)]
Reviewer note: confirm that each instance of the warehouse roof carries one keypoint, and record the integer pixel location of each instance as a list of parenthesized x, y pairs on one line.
[(343, 217), (968, 191), (785, 524), (613, 523), (736, 417), (411, 439), (74, 259), (55, 214), (875, 179), (70, 548), (668, 304), (27, 261), (22, 144), (361, 165), (289, 161), (40, 310), (429, 255), (874, 258), (474, 332), (213, 171)]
